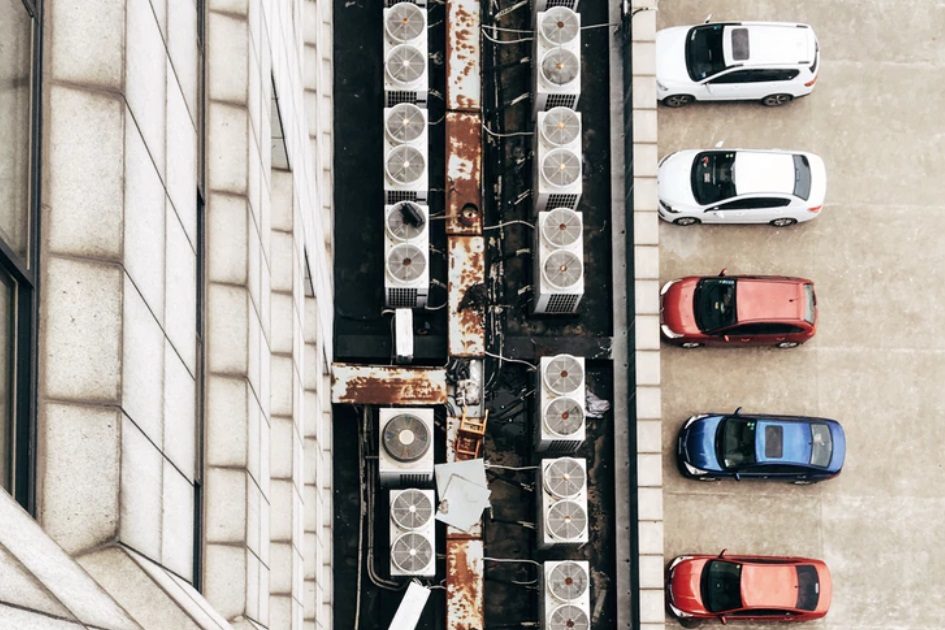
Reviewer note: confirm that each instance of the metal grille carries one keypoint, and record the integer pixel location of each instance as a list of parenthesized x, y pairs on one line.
[(414, 480), (562, 201), (422, 3), (402, 96), (561, 100), (571, 4), (563, 446), (563, 303), (396, 196), (402, 298)]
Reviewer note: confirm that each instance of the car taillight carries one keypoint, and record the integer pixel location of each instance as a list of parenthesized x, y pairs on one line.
[(815, 209), (811, 82)]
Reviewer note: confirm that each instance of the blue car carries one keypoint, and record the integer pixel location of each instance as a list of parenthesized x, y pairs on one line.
[(713, 446)]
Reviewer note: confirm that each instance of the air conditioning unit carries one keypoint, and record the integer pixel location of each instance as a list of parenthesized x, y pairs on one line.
[(557, 72), (412, 532), (561, 426), (567, 595), (558, 164), (562, 502), (405, 455), (406, 255), (558, 268), (544, 5), (422, 3), (406, 79), (406, 152)]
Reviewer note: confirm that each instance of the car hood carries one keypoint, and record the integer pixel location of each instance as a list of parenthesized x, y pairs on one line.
[(698, 441), (674, 180), (671, 56), (685, 586), (676, 310)]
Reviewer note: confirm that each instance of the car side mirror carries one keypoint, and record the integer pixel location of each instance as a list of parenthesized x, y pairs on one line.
[(737, 411), (722, 553), (723, 619), (722, 273), (707, 18), (738, 476)]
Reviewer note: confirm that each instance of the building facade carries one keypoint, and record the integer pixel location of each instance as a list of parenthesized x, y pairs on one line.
[(165, 301)]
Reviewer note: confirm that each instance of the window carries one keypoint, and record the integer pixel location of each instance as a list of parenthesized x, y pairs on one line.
[(740, 48), (714, 303), (721, 585), (737, 442), (808, 587), (765, 329), (774, 442), (754, 203), (801, 177), (757, 75), (810, 306), (19, 202), (821, 445), (713, 176), (704, 51)]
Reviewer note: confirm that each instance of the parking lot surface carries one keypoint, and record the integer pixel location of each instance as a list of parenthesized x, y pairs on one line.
[(877, 363)]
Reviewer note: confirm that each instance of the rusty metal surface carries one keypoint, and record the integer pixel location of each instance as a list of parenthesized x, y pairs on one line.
[(463, 174), (463, 83), (387, 385), (452, 533), (464, 581), (466, 296)]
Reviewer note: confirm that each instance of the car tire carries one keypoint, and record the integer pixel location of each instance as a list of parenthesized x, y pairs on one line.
[(688, 345), (785, 222), (788, 344), (686, 221), (707, 479), (776, 100), (677, 100), (689, 623)]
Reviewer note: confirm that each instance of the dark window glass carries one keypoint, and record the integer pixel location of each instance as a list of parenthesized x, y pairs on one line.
[(7, 337), (713, 176), (737, 442), (721, 585), (704, 51), (810, 308), (738, 76), (821, 445), (740, 49), (774, 442), (753, 203), (714, 303), (808, 587), (801, 177), (764, 329)]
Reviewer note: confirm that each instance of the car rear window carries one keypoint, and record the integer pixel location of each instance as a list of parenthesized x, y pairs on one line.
[(774, 442), (739, 44), (810, 308), (714, 303), (808, 587), (713, 176), (821, 445), (801, 177)]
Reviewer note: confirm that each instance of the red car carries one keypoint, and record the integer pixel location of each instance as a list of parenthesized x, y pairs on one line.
[(730, 588), (738, 311)]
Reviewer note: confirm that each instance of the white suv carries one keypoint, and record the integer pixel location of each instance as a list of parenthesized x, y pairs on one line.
[(773, 62)]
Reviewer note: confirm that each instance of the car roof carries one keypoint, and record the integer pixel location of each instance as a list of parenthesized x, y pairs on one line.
[(772, 44), (791, 444), (764, 172), (769, 585), (769, 299)]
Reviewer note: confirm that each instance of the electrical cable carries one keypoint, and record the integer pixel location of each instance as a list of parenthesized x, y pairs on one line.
[(512, 560), (505, 223), (515, 468), (510, 134), (506, 41), (530, 366)]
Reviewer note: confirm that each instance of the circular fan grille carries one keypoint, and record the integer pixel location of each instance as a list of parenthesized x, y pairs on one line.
[(563, 416), (405, 164), (568, 617), (566, 520), (561, 167), (411, 509), (406, 438), (405, 64), (406, 262), (562, 227), (398, 228), (562, 269), (560, 126), (567, 581), (405, 21), (411, 553), (564, 374), (564, 478), (560, 66), (560, 25), (405, 122)]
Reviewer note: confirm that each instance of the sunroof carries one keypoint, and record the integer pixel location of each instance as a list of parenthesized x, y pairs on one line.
[(774, 442), (740, 44)]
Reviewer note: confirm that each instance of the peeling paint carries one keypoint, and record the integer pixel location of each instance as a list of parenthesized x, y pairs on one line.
[(464, 582), (466, 297), (463, 173), (387, 385), (463, 89)]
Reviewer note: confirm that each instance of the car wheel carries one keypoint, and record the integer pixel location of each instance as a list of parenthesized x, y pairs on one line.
[(707, 479), (788, 344), (783, 222), (689, 623), (686, 221), (691, 344), (776, 100), (677, 100)]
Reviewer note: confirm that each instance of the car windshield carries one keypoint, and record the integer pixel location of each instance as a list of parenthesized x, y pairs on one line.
[(713, 176), (808, 587), (810, 308), (714, 303), (736, 442), (821, 445), (721, 586), (801, 177), (704, 51)]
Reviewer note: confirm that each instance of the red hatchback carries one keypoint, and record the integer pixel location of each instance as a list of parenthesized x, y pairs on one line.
[(738, 311), (730, 588)]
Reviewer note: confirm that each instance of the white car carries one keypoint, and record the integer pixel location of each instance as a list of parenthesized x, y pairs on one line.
[(773, 62), (741, 186)]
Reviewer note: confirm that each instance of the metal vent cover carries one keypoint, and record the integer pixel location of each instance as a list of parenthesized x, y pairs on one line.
[(561, 167), (568, 617), (405, 164), (564, 478), (563, 416), (566, 520), (562, 269), (564, 374), (560, 66), (411, 509), (567, 581), (560, 126), (411, 552), (398, 228), (406, 437), (562, 227), (405, 22), (405, 122), (559, 25), (405, 63)]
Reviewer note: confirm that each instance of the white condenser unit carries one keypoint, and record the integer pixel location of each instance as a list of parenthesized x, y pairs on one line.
[(406, 79), (561, 426), (557, 70), (405, 455), (421, 3), (406, 153), (558, 162), (406, 254), (567, 595), (562, 502), (412, 532), (558, 269), (544, 5)]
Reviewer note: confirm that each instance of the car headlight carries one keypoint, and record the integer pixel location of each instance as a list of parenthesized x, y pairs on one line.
[(693, 419), (660, 85), (679, 613), (667, 207), (692, 470), (667, 286), (669, 332)]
